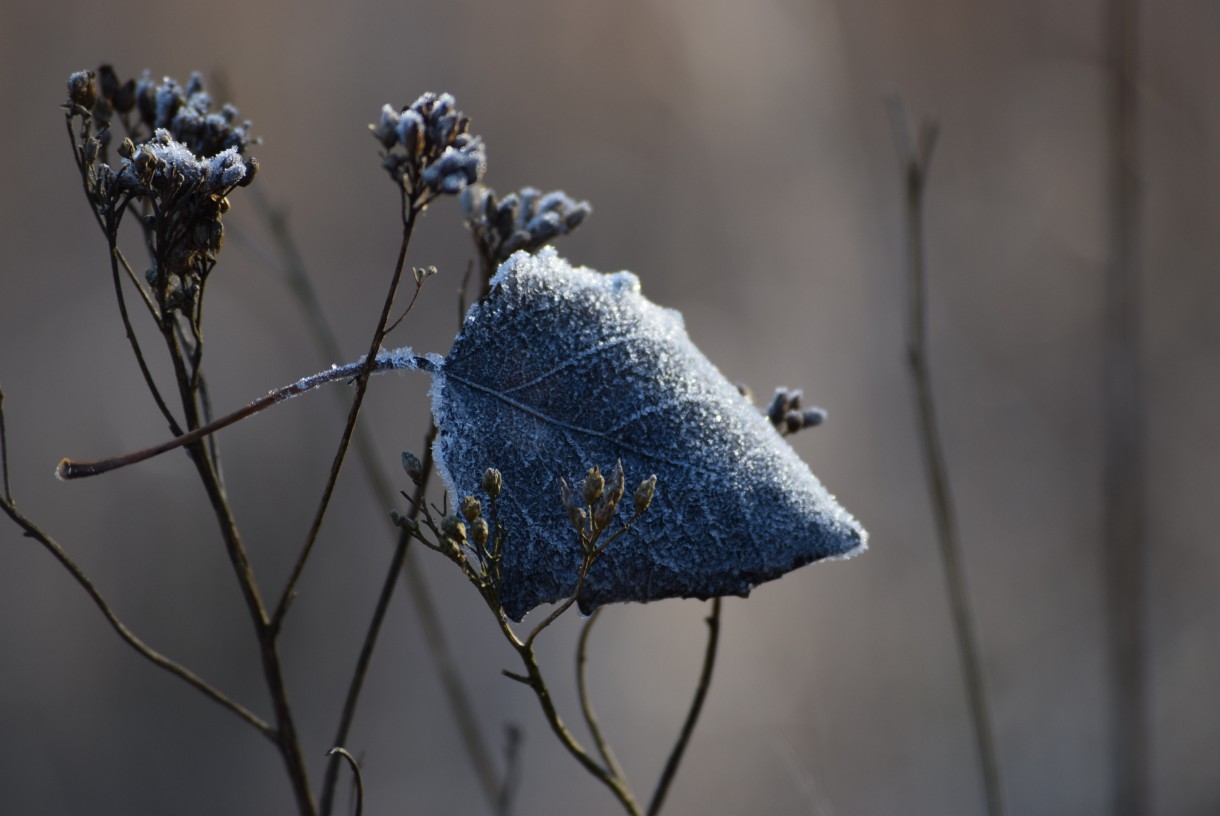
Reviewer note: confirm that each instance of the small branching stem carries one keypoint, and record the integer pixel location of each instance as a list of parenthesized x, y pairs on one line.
[(533, 678), (33, 531), (916, 156), (410, 212)]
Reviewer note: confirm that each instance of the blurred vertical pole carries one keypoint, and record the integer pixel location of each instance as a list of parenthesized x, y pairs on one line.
[(1124, 520)]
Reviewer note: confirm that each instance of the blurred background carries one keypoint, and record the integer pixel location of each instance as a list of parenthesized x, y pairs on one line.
[(739, 160)]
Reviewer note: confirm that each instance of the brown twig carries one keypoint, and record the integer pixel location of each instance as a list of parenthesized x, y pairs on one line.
[(533, 678), (916, 157), (692, 716), (33, 531), (370, 640), (410, 212), (337, 752)]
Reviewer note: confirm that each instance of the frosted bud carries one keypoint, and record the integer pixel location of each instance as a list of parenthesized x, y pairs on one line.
[(811, 417), (413, 467), (643, 493), (82, 89)]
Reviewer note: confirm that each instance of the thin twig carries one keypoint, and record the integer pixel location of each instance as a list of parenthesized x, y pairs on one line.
[(586, 704), (692, 716), (355, 766), (386, 361), (533, 678), (370, 642), (410, 212), (116, 258), (211, 692), (916, 158), (1124, 509)]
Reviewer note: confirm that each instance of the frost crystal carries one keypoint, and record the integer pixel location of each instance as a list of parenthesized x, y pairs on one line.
[(561, 368)]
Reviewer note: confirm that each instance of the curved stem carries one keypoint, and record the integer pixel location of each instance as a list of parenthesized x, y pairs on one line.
[(144, 650), (586, 704), (337, 752), (692, 716)]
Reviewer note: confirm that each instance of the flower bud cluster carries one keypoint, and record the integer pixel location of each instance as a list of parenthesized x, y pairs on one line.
[(787, 415), (428, 146), (527, 220), (594, 511), (179, 159)]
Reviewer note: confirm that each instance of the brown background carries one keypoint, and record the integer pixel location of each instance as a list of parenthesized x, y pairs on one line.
[(739, 160)]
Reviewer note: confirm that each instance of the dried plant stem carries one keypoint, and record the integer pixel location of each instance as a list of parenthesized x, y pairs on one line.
[(586, 705), (410, 212), (533, 678), (335, 754), (451, 679), (1124, 510), (33, 531), (116, 257), (370, 641), (916, 157), (692, 716), (285, 728)]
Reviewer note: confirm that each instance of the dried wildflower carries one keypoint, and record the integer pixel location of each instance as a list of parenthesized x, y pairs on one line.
[(179, 160), (428, 147), (527, 220)]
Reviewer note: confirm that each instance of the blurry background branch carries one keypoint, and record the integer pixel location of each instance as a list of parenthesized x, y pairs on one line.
[(915, 154)]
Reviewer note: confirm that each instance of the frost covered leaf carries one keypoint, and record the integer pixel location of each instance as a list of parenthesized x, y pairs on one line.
[(560, 369)]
